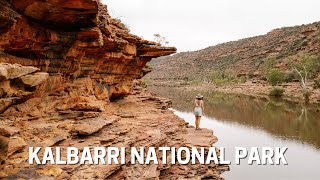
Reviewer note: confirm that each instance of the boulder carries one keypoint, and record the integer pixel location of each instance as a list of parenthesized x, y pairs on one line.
[(35, 79), (19, 83), (12, 71)]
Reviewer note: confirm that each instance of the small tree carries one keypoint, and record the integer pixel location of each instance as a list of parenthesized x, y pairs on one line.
[(268, 64), (161, 40), (275, 77), (303, 83), (306, 66)]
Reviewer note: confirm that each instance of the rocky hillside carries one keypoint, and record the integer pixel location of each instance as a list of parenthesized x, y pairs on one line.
[(241, 57), (69, 76)]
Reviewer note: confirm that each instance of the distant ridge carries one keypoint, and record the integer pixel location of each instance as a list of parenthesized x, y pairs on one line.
[(241, 56)]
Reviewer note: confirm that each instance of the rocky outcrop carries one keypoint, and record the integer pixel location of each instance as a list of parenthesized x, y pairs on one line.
[(19, 83), (74, 39), (139, 120), (64, 65)]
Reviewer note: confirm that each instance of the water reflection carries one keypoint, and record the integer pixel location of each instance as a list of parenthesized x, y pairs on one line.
[(277, 117), (302, 159)]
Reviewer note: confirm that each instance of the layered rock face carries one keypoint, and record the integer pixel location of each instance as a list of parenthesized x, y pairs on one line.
[(61, 62), (139, 120), (74, 39), (19, 83)]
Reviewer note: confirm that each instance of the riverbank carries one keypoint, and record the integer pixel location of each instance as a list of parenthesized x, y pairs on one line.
[(292, 90), (279, 117), (138, 120), (237, 133), (248, 121)]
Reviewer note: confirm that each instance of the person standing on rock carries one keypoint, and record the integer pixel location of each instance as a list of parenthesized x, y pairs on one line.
[(198, 109)]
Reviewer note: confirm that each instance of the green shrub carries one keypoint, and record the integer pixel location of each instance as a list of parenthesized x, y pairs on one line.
[(289, 77), (147, 81), (250, 74), (222, 77), (275, 77), (316, 84), (195, 82), (305, 63), (243, 79), (276, 92), (121, 24), (190, 78), (215, 75), (268, 64)]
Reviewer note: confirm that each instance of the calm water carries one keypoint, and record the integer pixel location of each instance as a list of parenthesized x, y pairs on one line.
[(242, 121)]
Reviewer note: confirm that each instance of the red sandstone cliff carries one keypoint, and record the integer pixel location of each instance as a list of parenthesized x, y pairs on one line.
[(61, 62), (74, 38)]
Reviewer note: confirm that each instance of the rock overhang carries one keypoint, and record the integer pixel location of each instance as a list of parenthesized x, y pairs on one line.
[(75, 39)]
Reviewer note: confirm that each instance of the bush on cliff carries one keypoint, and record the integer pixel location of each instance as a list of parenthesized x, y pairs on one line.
[(147, 81), (121, 24), (275, 77), (277, 92), (162, 40)]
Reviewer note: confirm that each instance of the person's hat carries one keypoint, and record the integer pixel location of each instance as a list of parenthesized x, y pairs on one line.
[(199, 96)]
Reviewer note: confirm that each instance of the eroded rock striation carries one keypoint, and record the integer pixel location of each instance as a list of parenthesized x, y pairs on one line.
[(19, 83), (65, 69), (138, 120), (72, 39)]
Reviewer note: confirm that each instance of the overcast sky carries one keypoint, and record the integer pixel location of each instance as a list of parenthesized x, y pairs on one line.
[(195, 24)]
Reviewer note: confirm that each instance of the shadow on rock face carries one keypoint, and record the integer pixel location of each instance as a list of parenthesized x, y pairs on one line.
[(3, 148)]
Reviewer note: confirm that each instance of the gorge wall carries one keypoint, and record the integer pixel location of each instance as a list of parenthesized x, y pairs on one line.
[(65, 69), (74, 39)]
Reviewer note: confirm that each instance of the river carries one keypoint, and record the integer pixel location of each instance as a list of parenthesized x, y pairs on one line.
[(243, 121)]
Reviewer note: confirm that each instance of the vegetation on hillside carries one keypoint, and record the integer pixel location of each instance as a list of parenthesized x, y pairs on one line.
[(285, 55), (219, 77), (275, 77), (251, 57), (316, 84), (300, 67), (277, 92)]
